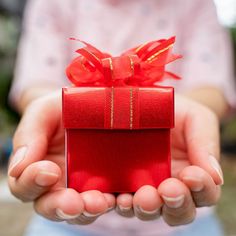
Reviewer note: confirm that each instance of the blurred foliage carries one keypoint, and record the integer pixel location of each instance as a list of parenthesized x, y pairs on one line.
[(228, 134), (226, 207), (9, 34), (233, 31)]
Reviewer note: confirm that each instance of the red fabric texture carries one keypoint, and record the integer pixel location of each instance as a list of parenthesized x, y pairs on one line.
[(117, 160)]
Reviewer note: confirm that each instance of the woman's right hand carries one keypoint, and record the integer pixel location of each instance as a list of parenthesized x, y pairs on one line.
[(37, 167)]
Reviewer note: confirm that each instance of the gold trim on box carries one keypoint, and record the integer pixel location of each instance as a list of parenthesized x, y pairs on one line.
[(112, 107), (131, 109)]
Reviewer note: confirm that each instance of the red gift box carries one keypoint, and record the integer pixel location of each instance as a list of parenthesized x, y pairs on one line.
[(117, 127)]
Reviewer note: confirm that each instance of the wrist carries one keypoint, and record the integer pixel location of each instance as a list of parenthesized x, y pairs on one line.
[(31, 94), (211, 97)]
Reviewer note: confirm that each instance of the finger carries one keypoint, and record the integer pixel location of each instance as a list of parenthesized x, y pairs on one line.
[(178, 208), (64, 204), (36, 179), (147, 203), (31, 137), (204, 190), (202, 137), (111, 200), (124, 202), (95, 204)]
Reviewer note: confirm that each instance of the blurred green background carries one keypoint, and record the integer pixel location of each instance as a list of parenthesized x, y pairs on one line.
[(10, 27)]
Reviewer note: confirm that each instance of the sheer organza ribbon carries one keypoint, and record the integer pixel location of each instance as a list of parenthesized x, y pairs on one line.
[(140, 66)]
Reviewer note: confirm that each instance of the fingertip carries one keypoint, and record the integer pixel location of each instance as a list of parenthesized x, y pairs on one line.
[(211, 165), (49, 166), (147, 198), (194, 177), (61, 204), (47, 173), (26, 152), (204, 190), (44, 178), (171, 187), (70, 202), (124, 201), (94, 202), (15, 164), (217, 173), (111, 200)]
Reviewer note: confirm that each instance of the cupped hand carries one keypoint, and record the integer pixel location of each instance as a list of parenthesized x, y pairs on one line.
[(36, 170), (196, 173), (37, 167)]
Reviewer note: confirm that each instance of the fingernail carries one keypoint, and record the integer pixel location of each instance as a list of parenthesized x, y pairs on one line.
[(124, 209), (174, 202), (154, 212), (17, 158), (197, 184), (63, 216), (87, 214), (216, 166), (45, 178)]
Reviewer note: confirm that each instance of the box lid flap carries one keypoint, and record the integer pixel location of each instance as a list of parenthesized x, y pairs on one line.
[(118, 107)]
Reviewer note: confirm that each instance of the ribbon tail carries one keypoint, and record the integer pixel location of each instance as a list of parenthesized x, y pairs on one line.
[(157, 48), (92, 58), (90, 47), (172, 75)]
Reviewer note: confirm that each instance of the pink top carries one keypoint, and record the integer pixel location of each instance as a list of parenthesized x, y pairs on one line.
[(116, 25)]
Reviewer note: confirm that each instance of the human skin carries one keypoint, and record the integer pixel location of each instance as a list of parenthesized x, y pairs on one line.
[(36, 170)]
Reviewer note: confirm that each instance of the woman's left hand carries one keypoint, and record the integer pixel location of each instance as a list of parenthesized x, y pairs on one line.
[(196, 173)]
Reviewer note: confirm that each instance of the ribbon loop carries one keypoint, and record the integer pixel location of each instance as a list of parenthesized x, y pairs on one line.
[(140, 66)]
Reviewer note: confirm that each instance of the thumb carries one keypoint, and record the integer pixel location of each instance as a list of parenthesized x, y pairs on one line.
[(30, 141), (201, 133)]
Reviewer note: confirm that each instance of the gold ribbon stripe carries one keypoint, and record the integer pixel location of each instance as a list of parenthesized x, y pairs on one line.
[(154, 56), (131, 109)]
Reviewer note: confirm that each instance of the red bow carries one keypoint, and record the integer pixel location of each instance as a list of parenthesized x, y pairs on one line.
[(140, 66)]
